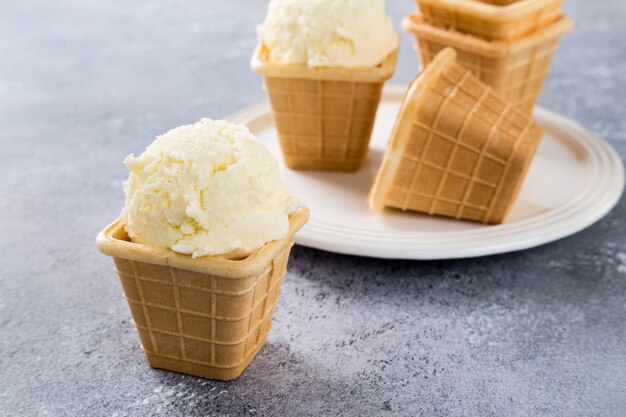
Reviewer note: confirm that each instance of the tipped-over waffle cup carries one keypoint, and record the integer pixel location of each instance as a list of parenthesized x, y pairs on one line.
[(458, 149), (323, 115), (515, 69), (492, 19), (207, 316)]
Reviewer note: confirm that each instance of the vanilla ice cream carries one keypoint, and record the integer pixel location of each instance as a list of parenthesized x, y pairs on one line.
[(206, 189), (345, 33)]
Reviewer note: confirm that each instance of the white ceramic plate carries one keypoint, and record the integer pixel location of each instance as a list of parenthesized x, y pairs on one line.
[(574, 180)]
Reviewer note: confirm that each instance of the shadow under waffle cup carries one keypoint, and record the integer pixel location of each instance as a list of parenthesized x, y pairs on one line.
[(493, 19), (515, 69), (324, 116), (208, 316), (458, 149)]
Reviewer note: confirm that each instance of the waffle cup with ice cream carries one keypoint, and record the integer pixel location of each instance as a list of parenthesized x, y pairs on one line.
[(202, 246), (458, 148), (324, 64)]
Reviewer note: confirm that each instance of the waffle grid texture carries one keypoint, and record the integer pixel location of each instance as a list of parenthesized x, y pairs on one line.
[(491, 20), (323, 115), (207, 316), (516, 70), (215, 322), (458, 149), (323, 124)]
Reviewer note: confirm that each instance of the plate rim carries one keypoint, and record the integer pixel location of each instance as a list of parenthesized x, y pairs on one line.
[(587, 208)]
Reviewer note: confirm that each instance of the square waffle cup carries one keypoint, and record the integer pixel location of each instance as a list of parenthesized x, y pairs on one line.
[(324, 116), (515, 69), (458, 149), (207, 317), (491, 19)]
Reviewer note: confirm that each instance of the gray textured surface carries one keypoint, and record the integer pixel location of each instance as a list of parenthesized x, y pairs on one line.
[(84, 83)]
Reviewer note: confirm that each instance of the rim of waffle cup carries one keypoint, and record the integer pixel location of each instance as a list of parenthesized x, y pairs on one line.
[(493, 12), (114, 241), (414, 24), (379, 73)]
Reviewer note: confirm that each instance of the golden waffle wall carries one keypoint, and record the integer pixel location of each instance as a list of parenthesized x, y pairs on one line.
[(458, 148), (197, 323), (323, 124)]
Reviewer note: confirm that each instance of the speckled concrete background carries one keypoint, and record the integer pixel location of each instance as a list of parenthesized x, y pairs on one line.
[(84, 83)]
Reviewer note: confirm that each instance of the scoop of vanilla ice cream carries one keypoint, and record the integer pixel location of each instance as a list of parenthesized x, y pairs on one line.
[(206, 189), (346, 33)]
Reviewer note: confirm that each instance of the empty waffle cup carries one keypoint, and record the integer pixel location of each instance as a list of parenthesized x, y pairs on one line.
[(324, 115), (491, 19), (458, 149), (208, 316), (515, 69)]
